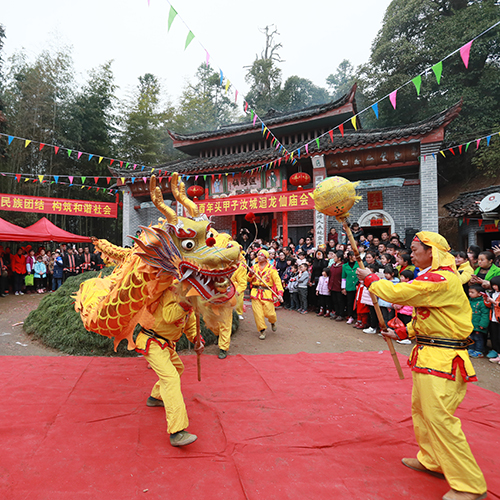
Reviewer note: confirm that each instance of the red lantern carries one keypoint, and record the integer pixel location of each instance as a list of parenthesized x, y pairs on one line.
[(300, 179), (195, 191)]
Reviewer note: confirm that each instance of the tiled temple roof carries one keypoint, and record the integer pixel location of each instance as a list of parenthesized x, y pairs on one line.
[(467, 204)]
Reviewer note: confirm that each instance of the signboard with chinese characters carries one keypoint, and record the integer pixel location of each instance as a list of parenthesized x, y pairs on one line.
[(19, 203), (238, 183), (258, 203)]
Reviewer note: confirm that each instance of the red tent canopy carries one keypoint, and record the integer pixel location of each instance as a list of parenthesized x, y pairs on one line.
[(44, 230), (11, 232)]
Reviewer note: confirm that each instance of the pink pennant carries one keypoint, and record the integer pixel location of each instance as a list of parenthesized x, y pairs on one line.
[(477, 143), (307, 149), (208, 56), (96, 179), (465, 53), (254, 118), (392, 98), (145, 180), (236, 96), (70, 177), (79, 154)]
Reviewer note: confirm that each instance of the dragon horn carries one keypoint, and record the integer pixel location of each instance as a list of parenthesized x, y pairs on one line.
[(157, 199), (179, 191)]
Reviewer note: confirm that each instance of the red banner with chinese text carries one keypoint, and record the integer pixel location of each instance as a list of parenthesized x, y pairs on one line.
[(19, 203), (258, 203)]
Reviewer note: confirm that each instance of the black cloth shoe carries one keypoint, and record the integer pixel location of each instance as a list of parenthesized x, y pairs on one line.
[(154, 402), (222, 354)]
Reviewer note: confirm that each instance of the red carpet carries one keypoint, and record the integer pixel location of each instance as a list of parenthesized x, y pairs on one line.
[(269, 427)]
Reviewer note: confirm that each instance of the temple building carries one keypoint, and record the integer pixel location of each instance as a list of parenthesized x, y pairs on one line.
[(396, 169)]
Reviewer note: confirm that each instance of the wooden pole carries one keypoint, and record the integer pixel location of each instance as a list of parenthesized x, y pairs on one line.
[(198, 340), (263, 282), (380, 318)]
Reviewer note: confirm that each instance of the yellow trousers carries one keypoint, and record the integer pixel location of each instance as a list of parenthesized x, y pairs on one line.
[(224, 327), (263, 309), (239, 303), (443, 446), (168, 366)]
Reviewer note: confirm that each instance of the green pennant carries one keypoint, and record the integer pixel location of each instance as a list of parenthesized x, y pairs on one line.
[(189, 39), (69, 152), (417, 81), (251, 114), (205, 177), (128, 163), (83, 180), (438, 70), (467, 146), (317, 142), (171, 17), (460, 222)]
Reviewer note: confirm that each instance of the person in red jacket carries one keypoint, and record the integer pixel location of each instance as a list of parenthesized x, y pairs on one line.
[(335, 286), (18, 263)]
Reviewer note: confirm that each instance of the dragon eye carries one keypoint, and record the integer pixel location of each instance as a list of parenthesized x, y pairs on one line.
[(188, 244), (210, 234)]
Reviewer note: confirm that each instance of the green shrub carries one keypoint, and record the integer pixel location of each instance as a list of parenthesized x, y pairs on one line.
[(56, 323)]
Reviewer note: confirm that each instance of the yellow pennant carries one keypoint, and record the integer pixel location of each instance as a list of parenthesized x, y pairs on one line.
[(100, 159), (123, 180), (227, 85), (353, 121), (496, 222), (40, 178), (443, 154), (26, 180), (26, 142)]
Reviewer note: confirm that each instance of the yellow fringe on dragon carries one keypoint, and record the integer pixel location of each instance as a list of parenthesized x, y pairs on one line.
[(181, 254)]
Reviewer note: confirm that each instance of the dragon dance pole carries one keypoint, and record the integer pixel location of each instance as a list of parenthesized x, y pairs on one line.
[(198, 341)]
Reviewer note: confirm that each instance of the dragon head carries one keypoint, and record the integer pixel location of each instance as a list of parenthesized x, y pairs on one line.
[(189, 249)]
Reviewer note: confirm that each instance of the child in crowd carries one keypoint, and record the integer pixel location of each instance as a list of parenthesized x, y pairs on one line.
[(40, 274), (323, 293), (362, 310), (464, 269), (403, 261), (30, 269), (404, 312), (302, 286), (301, 258), (292, 288), (285, 280), (367, 299), (335, 285), (387, 258), (390, 274), (480, 321), (493, 303)]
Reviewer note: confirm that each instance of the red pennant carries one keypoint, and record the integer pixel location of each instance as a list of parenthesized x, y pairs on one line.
[(467, 220), (287, 157), (452, 152), (268, 134), (246, 106), (121, 164), (480, 221), (96, 179), (341, 128), (108, 179), (111, 162), (460, 149), (56, 149), (331, 134), (279, 161), (18, 177), (90, 187), (41, 146)]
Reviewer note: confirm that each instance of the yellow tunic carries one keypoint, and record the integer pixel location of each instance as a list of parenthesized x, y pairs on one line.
[(270, 277), (171, 320), (441, 310), (465, 272), (240, 280)]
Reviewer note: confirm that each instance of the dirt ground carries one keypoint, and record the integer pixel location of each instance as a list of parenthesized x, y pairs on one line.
[(296, 333)]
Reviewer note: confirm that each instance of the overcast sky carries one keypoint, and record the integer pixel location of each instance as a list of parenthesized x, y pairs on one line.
[(316, 35)]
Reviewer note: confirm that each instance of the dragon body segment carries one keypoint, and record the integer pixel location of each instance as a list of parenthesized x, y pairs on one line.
[(183, 254)]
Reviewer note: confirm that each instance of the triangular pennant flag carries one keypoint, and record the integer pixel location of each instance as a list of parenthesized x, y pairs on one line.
[(27, 179), (108, 179), (40, 178), (56, 178), (254, 118), (298, 152), (375, 109), (467, 146), (307, 149), (208, 57), (442, 152), (496, 222), (460, 222), (90, 156), (488, 139), (142, 168), (467, 221), (392, 98), (353, 121), (56, 149), (236, 96), (121, 164), (83, 180), (246, 107), (123, 180), (26, 142), (317, 142), (70, 177), (417, 81), (41, 146), (100, 159), (438, 70), (330, 133), (133, 179), (111, 162), (465, 53), (189, 39), (452, 152), (480, 221), (477, 143), (18, 177), (460, 149), (89, 188), (96, 179), (227, 85), (135, 165), (205, 177), (10, 139), (341, 128), (145, 179), (69, 152), (171, 17), (79, 154)]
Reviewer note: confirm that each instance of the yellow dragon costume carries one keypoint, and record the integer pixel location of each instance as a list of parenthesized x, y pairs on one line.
[(178, 269)]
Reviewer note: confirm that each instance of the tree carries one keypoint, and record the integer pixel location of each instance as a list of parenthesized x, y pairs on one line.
[(143, 124), (340, 82), (204, 105), (264, 76), (415, 35), (298, 93)]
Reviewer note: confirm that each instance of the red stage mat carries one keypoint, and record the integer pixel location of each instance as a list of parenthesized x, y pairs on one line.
[(304, 426)]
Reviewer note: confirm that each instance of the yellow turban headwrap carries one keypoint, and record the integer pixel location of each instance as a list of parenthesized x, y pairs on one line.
[(265, 253), (441, 256)]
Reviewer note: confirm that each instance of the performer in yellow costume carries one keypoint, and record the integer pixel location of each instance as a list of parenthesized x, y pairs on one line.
[(440, 363), (262, 297), (172, 319), (240, 280)]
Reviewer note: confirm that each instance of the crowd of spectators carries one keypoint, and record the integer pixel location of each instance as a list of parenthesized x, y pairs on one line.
[(322, 279), (39, 271)]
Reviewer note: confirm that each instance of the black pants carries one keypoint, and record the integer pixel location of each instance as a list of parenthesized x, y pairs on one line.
[(495, 336), (387, 314), (338, 303), (324, 302), (350, 296), (373, 317), (18, 282)]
